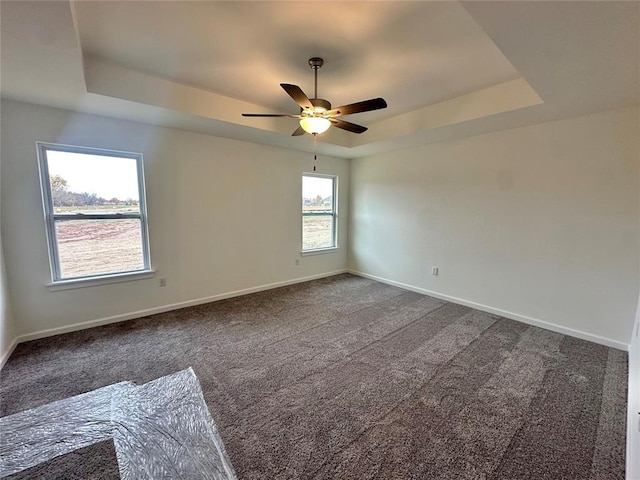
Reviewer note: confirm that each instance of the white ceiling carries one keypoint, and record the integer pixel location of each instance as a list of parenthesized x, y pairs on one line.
[(412, 53), (446, 69)]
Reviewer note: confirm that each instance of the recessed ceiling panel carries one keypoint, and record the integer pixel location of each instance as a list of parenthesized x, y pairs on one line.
[(413, 54)]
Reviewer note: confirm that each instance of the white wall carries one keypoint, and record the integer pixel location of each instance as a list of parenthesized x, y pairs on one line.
[(633, 407), (633, 404), (8, 331), (539, 222), (224, 216)]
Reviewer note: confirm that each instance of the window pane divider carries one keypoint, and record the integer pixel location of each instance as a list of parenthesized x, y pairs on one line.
[(96, 216)]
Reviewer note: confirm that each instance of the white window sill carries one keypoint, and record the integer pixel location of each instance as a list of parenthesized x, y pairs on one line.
[(319, 251), (102, 280)]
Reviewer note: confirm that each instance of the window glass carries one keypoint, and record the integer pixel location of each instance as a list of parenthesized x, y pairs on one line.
[(98, 247), (318, 212), (83, 182), (94, 210)]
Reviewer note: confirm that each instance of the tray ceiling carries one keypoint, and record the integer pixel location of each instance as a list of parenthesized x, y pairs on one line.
[(445, 68)]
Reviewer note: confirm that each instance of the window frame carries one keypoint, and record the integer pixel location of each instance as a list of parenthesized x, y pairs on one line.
[(333, 213), (51, 217)]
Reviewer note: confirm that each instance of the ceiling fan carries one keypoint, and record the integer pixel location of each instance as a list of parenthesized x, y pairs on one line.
[(316, 114)]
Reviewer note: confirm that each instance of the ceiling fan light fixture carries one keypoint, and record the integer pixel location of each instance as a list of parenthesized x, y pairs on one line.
[(316, 114), (315, 125)]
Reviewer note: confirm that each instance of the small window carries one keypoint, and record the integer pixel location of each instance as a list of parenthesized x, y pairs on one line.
[(318, 212), (94, 208)]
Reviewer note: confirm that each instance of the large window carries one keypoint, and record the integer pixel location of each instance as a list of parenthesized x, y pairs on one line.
[(94, 208), (318, 212)]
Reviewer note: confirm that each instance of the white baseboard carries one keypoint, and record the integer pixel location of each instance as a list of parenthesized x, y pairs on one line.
[(152, 311), (607, 342), (7, 353), (175, 306)]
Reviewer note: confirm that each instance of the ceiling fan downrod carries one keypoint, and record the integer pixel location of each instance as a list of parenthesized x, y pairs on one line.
[(315, 63)]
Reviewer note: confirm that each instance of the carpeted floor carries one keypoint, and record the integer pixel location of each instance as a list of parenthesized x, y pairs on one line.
[(95, 462), (345, 378)]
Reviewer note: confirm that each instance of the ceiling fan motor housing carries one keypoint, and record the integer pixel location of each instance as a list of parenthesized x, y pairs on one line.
[(320, 103), (316, 62)]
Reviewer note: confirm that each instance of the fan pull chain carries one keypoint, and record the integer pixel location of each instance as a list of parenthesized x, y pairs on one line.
[(315, 138)]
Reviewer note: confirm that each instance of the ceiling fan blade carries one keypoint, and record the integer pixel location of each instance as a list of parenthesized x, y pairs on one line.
[(298, 95), (359, 107), (350, 127), (270, 115), (298, 131)]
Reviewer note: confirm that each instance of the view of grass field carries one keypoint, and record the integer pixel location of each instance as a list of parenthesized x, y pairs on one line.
[(98, 208), (316, 232), (94, 247)]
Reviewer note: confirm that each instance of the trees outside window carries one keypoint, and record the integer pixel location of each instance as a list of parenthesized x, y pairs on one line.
[(94, 207)]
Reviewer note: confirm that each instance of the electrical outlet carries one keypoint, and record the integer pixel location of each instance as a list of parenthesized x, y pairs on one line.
[(297, 261), (163, 282), (434, 270)]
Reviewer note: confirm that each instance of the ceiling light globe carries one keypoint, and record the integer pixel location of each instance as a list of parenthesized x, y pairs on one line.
[(315, 125)]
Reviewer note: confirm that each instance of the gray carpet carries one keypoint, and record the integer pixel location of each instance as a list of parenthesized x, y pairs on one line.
[(95, 462), (345, 378)]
